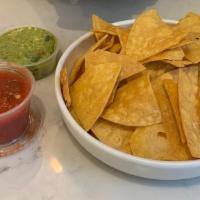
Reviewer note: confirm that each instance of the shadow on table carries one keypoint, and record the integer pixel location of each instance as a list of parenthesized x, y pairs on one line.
[(76, 14)]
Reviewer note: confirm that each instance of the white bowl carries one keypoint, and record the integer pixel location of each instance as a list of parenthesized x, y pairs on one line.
[(153, 169)]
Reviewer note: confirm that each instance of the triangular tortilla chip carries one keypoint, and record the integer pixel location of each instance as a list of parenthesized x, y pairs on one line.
[(171, 54), (90, 93), (105, 43), (134, 104), (152, 142), (174, 143), (149, 36), (189, 107), (113, 135), (190, 23), (171, 87), (101, 27), (78, 67), (129, 66)]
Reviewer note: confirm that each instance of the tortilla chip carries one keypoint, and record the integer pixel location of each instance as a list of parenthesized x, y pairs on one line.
[(157, 68), (101, 27), (65, 86), (190, 38), (134, 104), (178, 63), (78, 67), (188, 105), (113, 135), (190, 23), (123, 37), (149, 36), (129, 66), (181, 151), (171, 54), (90, 93), (171, 87), (192, 51), (152, 142)]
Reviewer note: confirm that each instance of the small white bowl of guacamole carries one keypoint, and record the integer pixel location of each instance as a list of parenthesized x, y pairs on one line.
[(31, 47)]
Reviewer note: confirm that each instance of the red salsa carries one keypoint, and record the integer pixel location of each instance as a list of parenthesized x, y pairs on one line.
[(13, 90), (15, 85)]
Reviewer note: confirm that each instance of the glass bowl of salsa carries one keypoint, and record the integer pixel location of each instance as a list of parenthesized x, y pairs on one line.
[(16, 89)]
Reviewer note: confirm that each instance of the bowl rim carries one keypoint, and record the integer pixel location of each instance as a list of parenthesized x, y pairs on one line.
[(94, 141)]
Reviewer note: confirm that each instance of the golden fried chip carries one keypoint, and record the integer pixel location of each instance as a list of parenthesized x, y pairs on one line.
[(129, 66), (113, 135), (192, 51), (171, 87), (123, 37), (134, 104), (157, 68), (171, 54), (149, 36), (154, 143), (190, 38), (78, 67), (65, 86), (101, 27), (90, 93), (189, 105), (168, 119), (178, 63), (190, 23)]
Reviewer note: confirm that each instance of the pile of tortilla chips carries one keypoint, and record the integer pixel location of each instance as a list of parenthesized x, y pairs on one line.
[(137, 88)]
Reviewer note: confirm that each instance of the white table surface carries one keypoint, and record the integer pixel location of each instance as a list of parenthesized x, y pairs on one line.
[(59, 168)]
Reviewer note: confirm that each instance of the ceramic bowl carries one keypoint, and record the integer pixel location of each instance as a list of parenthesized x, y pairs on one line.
[(153, 169)]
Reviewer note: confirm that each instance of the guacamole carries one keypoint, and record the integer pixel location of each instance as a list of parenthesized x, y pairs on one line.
[(26, 45)]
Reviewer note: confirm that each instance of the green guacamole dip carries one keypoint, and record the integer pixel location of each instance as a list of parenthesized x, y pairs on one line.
[(26, 45)]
